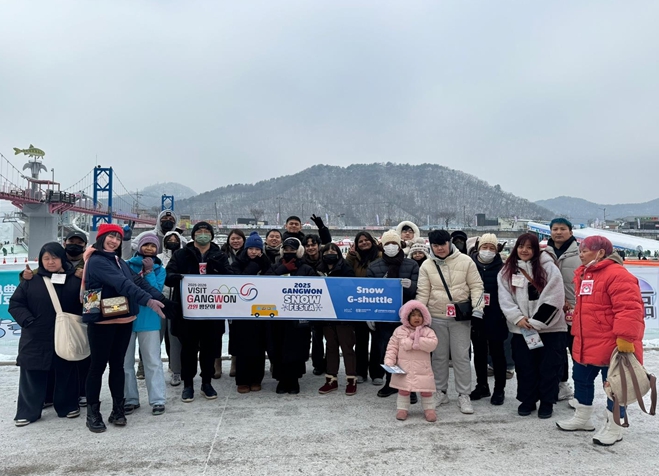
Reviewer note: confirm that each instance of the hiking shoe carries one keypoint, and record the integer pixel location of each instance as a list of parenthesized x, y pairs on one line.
[(565, 392), (176, 380), (525, 409), (73, 414), (129, 408), (158, 410), (208, 391), (188, 394), (243, 388), (377, 381), (545, 410), (82, 401), (387, 391), (21, 422), (441, 399), (464, 403), (331, 384), (498, 397), (351, 388), (480, 392)]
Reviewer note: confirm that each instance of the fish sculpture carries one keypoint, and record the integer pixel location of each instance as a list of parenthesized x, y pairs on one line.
[(31, 151)]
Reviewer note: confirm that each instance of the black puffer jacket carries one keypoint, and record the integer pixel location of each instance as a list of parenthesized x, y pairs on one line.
[(493, 322), (31, 307), (408, 269)]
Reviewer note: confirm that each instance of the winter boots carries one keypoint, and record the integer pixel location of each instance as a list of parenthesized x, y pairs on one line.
[(610, 434), (94, 418), (351, 387), (217, 368), (118, 415), (232, 370), (403, 405), (481, 391), (580, 421), (331, 384), (428, 404)]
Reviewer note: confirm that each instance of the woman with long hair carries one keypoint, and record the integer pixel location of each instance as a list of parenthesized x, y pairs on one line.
[(233, 247), (531, 296)]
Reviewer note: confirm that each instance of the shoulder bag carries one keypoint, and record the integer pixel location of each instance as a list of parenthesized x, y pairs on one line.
[(463, 309), (627, 382), (71, 342)]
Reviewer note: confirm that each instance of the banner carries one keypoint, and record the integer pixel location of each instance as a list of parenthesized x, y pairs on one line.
[(303, 298)]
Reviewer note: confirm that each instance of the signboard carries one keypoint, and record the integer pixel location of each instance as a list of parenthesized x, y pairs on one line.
[(304, 298)]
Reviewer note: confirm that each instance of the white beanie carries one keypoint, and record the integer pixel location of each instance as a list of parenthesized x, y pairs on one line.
[(490, 238), (390, 235), (419, 247)]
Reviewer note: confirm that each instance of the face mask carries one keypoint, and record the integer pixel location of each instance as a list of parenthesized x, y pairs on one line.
[(290, 256), (172, 245), (391, 250), (486, 255), (166, 226), (330, 259), (74, 250), (202, 239), (595, 261)]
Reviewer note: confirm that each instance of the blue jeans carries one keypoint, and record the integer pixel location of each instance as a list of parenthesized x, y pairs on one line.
[(584, 384), (153, 373)]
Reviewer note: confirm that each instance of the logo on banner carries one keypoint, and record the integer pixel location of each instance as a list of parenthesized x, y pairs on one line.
[(302, 297)]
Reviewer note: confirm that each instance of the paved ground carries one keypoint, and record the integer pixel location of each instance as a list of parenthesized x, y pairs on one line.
[(264, 433)]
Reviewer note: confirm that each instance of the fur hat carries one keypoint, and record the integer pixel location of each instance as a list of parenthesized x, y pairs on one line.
[(294, 243), (254, 241), (149, 238), (490, 238), (202, 225), (105, 228), (419, 247), (389, 236)]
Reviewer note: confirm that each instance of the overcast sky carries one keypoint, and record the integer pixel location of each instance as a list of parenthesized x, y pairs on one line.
[(543, 98)]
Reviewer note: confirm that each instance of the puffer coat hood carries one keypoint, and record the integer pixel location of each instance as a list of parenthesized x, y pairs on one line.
[(407, 309)]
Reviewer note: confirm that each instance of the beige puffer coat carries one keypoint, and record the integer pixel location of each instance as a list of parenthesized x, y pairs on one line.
[(462, 277)]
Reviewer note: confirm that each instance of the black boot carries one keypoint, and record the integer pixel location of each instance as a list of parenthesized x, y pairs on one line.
[(481, 391), (118, 417), (94, 418)]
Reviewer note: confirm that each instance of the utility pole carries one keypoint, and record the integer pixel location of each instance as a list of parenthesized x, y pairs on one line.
[(217, 220), (136, 205)]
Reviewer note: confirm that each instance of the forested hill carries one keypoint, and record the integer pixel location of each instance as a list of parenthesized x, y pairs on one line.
[(363, 193)]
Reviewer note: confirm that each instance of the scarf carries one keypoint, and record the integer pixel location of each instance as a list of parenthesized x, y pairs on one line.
[(393, 264)]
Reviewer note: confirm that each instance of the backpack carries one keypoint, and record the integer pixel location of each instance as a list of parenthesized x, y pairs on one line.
[(627, 382)]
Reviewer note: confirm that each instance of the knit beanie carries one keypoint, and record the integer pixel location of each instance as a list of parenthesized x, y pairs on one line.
[(106, 228), (490, 238), (459, 234), (254, 241), (202, 225), (390, 236), (149, 238), (418, 247)]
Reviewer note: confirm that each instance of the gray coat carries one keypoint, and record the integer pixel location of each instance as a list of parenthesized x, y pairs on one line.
[(568, 263)]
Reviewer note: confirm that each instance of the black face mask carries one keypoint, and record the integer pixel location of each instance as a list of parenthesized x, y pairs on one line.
[(290, 256), (74, 250), (330, 259), (166, 226), (172, 245)]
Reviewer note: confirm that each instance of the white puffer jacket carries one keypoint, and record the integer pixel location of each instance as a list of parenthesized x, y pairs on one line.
[(462, 277), (515, 303)]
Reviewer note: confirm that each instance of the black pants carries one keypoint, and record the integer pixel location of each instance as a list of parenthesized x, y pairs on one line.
[(381, 336), (494, 347), (366, 366), (108, 344), (566, 365), (203, 338), (33, 385), (318, 347), (250, 369), (539, 370)]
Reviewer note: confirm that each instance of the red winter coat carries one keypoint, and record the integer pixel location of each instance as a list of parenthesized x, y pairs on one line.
[(613, 310)]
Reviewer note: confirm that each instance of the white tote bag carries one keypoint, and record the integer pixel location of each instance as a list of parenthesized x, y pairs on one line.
[(71, 342)]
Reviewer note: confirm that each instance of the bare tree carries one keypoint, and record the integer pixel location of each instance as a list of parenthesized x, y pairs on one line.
[(446, 216), (257, 213)]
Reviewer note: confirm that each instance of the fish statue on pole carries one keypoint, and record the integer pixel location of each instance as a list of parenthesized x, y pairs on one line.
[(31, 151), (34, 166)]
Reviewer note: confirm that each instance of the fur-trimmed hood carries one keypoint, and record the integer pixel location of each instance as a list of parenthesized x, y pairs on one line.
[(407, 309), (399, 228)]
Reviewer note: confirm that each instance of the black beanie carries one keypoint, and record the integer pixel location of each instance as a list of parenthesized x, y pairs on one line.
[(459, 234), (202, 225), (439, 237)]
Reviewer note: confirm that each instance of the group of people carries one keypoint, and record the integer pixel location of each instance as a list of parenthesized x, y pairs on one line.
[(459, 294)]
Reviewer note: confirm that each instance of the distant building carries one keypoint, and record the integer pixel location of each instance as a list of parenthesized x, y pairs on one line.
[(640, 223), (482, 221)]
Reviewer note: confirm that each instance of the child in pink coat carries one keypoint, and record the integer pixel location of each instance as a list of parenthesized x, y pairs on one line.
[(410, 349)]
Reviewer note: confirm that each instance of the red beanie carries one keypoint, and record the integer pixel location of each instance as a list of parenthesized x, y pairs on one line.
[(109, 227)]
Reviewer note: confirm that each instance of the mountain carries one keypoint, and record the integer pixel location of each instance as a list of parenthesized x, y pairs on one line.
[(151, 196), (578, 209), (362, 194)]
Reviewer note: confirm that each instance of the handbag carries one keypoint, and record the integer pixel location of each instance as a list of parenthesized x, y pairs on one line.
[(71, 341), (463, 309), (626, 371), (115, 307)]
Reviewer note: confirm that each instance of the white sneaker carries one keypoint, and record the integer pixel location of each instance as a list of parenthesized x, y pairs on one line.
[(176, 380), (565, 392), (464, 403), (441, 399)]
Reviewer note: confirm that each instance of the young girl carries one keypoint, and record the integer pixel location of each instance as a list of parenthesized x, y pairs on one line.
[(410, 349)]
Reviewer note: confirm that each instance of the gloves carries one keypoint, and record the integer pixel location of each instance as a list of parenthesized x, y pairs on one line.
[(290, 265), (371, 325), (406, 283), (624, 346), (156, 306), (147, 265), (128, 233), (318, 221)]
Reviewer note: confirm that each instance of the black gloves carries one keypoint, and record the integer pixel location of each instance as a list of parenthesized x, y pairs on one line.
[(318, 221)]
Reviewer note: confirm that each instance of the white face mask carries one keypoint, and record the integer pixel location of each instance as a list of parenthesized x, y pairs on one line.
[(391, 250), (486, 255), (595, 261)]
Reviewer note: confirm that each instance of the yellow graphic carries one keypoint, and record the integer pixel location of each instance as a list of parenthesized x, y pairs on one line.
[(259, 310)]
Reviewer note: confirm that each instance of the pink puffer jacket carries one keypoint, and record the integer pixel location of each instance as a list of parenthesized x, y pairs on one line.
[(410, 349)]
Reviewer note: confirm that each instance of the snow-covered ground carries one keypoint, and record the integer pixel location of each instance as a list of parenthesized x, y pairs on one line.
[(264, 433)]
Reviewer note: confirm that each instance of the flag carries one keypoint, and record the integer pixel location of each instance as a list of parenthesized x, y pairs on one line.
[(377, 219), (277, 218), (326, 218)]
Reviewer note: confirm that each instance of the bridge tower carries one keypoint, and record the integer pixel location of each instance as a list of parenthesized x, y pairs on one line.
[(167, 202), (102, 190)]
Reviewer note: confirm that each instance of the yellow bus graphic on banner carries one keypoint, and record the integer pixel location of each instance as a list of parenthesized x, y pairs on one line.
[(259, 310)]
